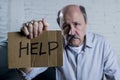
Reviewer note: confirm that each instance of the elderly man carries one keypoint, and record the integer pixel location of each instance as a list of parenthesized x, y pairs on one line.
[(86, 56)]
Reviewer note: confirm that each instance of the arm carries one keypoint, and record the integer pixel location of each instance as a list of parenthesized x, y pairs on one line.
[(111, 66), (5, 72), (33, 72)]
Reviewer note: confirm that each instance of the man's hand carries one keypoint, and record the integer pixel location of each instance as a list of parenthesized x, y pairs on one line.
[(26, 70), (33, 29)]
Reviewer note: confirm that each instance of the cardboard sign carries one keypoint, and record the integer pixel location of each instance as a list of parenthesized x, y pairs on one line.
[(43, 51)]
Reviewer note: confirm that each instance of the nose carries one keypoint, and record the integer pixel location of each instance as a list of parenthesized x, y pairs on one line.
[(72, 30)]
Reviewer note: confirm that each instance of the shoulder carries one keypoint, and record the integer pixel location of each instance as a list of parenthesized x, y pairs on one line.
[(3, 53), (98, 41), (96, 38)]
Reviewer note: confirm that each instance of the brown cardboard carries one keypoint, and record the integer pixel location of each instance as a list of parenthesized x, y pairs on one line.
[(40, 60), (59, 53), (53, 57), (14, 61), (43, 51)]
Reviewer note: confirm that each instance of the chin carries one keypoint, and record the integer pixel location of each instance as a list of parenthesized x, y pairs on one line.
[(74, 44)]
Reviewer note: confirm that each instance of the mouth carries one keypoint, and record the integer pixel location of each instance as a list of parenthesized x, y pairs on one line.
[(73, 38), (70, 37)]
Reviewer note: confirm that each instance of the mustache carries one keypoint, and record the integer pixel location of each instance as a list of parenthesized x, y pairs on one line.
[(70, 37)]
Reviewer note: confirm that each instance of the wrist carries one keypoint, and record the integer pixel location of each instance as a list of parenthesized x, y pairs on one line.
[(21, 74), (26, 70)]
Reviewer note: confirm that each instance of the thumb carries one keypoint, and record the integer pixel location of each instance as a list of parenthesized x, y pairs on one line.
[(45, 24)]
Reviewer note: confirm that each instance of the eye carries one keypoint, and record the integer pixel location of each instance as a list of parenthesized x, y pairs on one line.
[(76, 24), (66, 28)]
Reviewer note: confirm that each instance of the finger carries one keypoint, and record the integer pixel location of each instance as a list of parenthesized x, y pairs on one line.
[(40, 27), (26, 70), (35, 29), (32, 21), (24, 30), (26, 24), (45, 24), (30, 29)]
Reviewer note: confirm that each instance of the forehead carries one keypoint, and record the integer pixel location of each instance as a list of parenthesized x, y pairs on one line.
[(72, 13), (69, 9)]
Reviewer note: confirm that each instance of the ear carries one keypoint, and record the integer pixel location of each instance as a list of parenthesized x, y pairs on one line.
[(58, 17), (58, 20)]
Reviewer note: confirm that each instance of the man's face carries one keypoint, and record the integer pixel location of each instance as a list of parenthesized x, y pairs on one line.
[(73, 26)]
